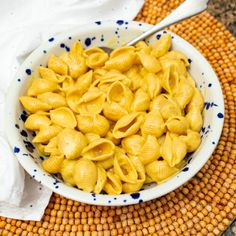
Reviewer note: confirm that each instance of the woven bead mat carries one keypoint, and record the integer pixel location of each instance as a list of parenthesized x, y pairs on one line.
[(205, 205)]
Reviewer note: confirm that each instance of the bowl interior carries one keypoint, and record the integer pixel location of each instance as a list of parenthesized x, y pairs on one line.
[(112, 34)]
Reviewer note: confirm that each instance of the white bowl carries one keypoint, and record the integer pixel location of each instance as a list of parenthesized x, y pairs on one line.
[(113, 34)]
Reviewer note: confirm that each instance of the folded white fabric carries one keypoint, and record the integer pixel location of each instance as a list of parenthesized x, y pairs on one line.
[(24, 24)]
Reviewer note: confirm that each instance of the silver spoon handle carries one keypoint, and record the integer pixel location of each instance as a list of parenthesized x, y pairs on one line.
[(185, 10)]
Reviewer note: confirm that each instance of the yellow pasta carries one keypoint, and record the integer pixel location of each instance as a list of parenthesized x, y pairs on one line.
[(36, 121), (64, 117), (173, 150), (75, 61), (53, 164), (55, 100), (46, 133), (57, 65), (124, 167), (113, 184), (159, 171), (121, 59), (101, 180), (99, 150), (85, 174), (150, 150), (95, 57), (67, 171), (162, 46), (39, 86), (128, 125), (133, 144), (112, 123), (92, 102), (93, 123), (33, 104), (141, 101), (149, 62), (153, 124), (71, 143)]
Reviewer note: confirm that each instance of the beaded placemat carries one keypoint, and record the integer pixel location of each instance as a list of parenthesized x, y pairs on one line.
[(206, 204)]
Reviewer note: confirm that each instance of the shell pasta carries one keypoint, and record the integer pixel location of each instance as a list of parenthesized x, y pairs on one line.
[(112, 123)]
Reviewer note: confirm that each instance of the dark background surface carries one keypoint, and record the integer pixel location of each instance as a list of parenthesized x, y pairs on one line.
[(224, 11)]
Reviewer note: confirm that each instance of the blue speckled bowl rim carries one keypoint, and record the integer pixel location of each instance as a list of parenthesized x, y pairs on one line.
[(201, 157)]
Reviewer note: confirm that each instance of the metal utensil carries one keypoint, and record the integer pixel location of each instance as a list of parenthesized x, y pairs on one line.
[(186, 10)]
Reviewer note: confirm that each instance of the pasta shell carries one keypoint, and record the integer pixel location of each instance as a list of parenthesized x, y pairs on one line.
[(120, 94), (53, 164), (124, 168), (93, 123), (184, 94), (77, 49), (55, 100), (128, 125), (177, 124), (110, 136), (173, 150), (46, 133), (49, 74), (85, 175), (142, 46), (92, 102), (57, 65), (101, 180), (76, 64), (135, 78), (36, 121), (134, 187), (161, 139), (153, 124), (83, 82), (40, 148), (73, 99), (95, 57), (176, 67), (99, 149), (150, 63), (170, 82), (192, 140), (63, 117), (150, 150), (166, 105), (196, 101), (91, 137), (98, 74), (67, 171), (71, 143), (114, 111), (121, 59), (106, 164), (67, 84), (190, 80), (148, 180), (160, 171), (133, 144), (153, 85), (194, 118), (174, 54), (113, 184), (111, 77), (39, 86), (162, 46), (141, 101), (51, 147)]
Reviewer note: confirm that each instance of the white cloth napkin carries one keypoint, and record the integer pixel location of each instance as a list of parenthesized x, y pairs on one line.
[(24, 24)]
